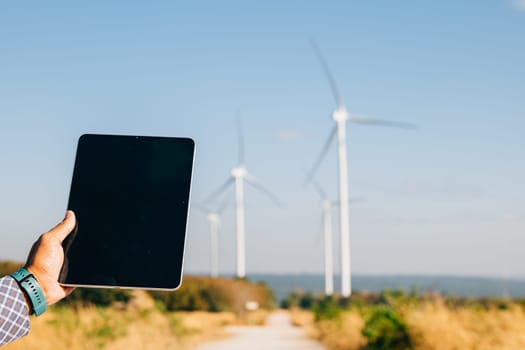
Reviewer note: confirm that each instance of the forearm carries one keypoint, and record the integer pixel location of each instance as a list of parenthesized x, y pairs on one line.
[(14, 311)]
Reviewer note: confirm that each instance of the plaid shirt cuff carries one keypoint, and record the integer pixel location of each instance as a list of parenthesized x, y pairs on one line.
[(14, 317)]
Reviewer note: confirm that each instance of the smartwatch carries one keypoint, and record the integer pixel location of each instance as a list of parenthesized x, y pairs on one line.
[(32, 289)]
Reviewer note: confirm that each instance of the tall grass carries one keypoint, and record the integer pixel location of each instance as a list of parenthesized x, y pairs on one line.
[(434, 325), (393, 320), (136, 327)]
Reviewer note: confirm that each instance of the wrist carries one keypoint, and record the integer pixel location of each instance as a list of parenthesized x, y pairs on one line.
[(40, 278), (32, 291)]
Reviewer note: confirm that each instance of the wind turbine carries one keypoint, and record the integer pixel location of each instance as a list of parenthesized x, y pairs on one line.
[(326, 205), (238, 175), (214, 218), (340, 115)]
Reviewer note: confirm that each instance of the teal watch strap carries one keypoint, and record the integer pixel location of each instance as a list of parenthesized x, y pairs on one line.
[(34, 292)]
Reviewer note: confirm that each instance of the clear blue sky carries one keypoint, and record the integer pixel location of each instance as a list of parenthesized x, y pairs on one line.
[(446, 199)]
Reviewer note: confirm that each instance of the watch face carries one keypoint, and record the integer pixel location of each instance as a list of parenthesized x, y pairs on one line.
[(131, 197)]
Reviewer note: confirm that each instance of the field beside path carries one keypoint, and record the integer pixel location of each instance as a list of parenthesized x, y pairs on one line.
[(396, 321), (138, 326)]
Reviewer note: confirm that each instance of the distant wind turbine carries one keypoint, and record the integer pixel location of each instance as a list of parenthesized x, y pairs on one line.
[(326, 205), (239, 174), (214, 218), (340, 115)]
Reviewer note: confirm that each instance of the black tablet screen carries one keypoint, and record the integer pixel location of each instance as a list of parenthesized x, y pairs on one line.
[(130, 195)]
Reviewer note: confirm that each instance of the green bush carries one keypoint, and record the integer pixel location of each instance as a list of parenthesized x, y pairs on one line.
[(327, 309), (392, 297), (217, 299), (307, 301), (292, 300), (214, 295), (195, 294), (96, 296), (386, 330), (299, 299)]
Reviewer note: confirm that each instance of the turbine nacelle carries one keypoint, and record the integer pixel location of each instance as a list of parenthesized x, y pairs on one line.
[(213, 217), (239, 172), (340, 114)]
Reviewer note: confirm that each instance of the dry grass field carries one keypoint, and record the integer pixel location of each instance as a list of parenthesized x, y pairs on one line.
[(145, 320), (138, 326), (343, 333), (434, 326), (431, 325)]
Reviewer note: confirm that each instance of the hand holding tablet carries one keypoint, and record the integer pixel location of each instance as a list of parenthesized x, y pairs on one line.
[(131, 197)]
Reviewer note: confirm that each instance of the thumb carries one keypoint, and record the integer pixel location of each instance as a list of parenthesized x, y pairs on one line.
[(64, 228)]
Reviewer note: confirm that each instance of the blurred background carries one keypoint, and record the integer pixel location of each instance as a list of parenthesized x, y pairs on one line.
[(443, 204)]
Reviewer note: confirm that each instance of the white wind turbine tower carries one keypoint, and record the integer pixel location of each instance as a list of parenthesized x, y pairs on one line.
[(214, 218), (326, 205), (340, 115), (215, 221), (239, 174)]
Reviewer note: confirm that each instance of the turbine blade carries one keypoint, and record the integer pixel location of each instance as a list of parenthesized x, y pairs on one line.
[(250, 179), (240, 138), (202, 208), (329, 76), (219, 191), (223, 206), (320, 158), (318, 188), (379, 122)]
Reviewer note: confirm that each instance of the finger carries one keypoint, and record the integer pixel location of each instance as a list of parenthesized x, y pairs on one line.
[(32, 253), (68, 290), (65, 227)]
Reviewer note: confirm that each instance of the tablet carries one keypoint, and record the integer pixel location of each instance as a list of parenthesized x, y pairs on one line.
[(131, 198)]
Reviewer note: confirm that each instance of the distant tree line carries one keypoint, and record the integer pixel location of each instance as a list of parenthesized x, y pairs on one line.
[(196, 293), (215, 295)]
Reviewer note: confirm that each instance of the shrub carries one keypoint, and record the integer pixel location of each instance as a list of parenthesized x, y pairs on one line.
[(326, 309), (192, 297), (386, 330), (96, 296), (215, 295), (299, 299), (292, 300)]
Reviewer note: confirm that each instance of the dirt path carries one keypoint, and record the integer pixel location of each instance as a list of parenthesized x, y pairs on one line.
[(277, 334)]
